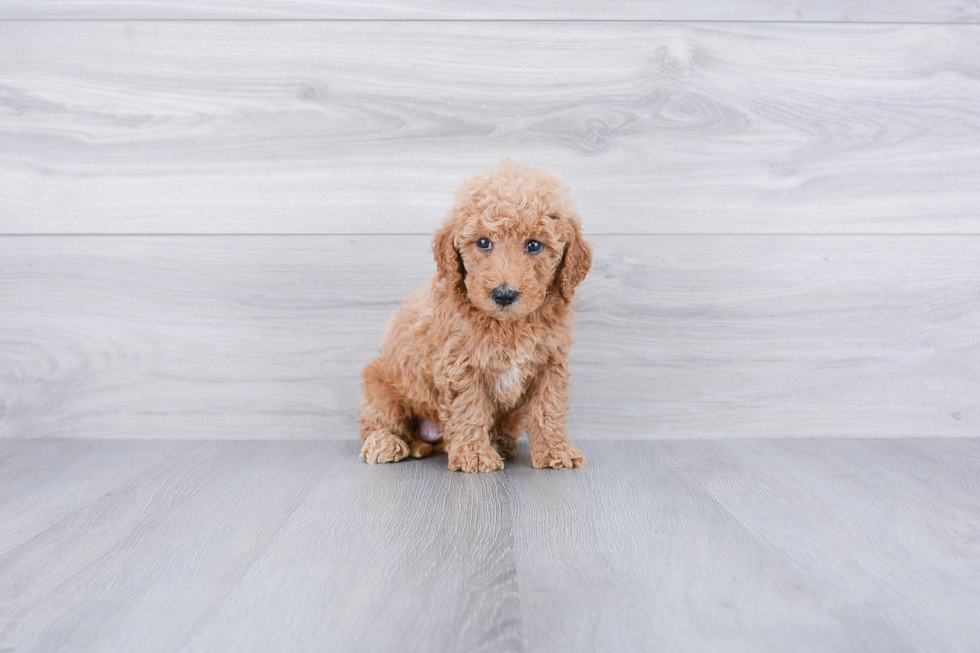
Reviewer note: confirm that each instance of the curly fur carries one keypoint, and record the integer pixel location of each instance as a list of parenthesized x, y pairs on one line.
[(478, 373)]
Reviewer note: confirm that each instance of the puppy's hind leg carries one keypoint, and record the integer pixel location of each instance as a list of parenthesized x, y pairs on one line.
[(419, 448), (383, 419), (426, 435)]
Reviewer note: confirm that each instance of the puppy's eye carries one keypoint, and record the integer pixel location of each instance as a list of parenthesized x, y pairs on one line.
[(533, 247), (484, 244)]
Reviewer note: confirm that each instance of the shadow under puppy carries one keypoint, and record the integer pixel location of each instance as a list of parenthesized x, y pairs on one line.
[(479, 353)]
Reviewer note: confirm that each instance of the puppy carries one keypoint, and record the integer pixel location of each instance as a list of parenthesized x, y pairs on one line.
[(479, 353)]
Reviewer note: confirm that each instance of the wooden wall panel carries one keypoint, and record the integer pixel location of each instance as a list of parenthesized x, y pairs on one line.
[(934, 11), (368, 127), (678, 336)]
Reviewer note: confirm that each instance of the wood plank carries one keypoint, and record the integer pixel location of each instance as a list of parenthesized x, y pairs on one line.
[(748, 545), (406, 557), (253, 546), (940, 11), (885, 528), (677, 336), (43, 482), (368, 127), (628, 555), (136, 569), (752, 546)]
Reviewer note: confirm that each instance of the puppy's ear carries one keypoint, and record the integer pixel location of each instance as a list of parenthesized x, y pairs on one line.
[(575, 261), (449, 262)]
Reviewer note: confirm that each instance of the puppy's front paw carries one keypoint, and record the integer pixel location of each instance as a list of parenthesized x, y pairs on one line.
[(479, 460), (560, 456), (381, 447)]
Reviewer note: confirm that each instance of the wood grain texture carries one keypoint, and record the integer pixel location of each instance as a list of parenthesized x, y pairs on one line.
[(348, 556), (42, 483), (905, 528), (368, 127), (634, 557), (808, 545), (381, 558), (740, 545), (102, 578), (677, 336), (941, 11)]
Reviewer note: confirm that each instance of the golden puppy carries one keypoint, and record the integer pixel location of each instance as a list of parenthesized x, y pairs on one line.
[(480, 351)]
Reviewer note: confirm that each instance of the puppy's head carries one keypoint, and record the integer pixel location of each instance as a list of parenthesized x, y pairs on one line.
[(511, 241)]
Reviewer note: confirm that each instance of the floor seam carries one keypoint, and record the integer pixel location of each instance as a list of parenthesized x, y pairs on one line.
[(508, 493)]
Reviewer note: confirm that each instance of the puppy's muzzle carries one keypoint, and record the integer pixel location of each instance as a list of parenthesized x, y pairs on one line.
[(504, 295)]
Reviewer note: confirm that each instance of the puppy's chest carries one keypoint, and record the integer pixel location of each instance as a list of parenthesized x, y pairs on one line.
[(507, 380)]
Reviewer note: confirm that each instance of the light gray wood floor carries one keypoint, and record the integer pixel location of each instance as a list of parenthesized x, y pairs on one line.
[(781, 545)]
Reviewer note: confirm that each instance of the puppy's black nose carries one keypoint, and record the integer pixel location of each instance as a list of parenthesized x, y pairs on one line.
[(504, 295)]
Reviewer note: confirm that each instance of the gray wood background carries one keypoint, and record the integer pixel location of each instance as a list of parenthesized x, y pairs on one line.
[(204, 223), (368, 127), (931, 11)]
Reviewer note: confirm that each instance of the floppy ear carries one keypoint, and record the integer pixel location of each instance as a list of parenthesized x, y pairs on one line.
[(449, 263), (575, 261)]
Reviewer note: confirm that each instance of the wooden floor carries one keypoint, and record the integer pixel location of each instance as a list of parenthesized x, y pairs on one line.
[(775, 545)]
